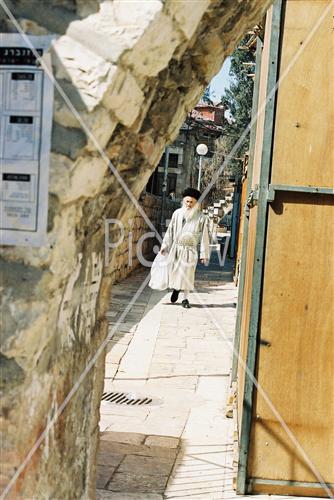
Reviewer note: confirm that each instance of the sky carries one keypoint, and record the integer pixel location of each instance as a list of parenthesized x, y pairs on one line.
[(220, 81)]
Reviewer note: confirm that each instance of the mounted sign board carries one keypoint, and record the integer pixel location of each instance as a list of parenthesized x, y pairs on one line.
[(26, 107)]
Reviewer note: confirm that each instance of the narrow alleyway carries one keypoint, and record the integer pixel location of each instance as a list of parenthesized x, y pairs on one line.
[(180, 444)]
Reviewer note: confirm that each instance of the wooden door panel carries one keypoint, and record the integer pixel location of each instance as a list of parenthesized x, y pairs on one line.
[(295, 359), (295, 354), (304, 130)]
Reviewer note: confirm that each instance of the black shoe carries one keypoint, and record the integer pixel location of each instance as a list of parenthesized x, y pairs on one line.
[(174, 296), (185, 304)]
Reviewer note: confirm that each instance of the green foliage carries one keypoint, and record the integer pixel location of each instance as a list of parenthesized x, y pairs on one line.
[(207, 95), (238, 101), (210, 168)]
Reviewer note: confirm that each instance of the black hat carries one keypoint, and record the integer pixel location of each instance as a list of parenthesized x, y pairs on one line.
[(194, 193)]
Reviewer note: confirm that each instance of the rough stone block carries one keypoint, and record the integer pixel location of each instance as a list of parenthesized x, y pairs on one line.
[(209, 63), (67, 141), (54, 16), (87, 7), (187, 13), (115, 28), (89, 73), (11, 374), (101, 124), (86, 178), (151, 149), (32, 28), (59, 174), (62, 113), (141, 13), (124, 98), (155, 48)]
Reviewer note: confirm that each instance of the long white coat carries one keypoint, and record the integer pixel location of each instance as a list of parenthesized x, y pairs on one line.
[(184, 237)]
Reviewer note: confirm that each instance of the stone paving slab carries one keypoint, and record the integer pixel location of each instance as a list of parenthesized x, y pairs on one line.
[(134, 463), (137, 482), (108, 495), (104, 474)]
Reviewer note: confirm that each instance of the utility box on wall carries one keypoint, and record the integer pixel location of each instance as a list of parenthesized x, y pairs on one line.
[(285, 373), (26, 98)]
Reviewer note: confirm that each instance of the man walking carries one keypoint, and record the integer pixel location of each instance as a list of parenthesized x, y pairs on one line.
[(188, 230)]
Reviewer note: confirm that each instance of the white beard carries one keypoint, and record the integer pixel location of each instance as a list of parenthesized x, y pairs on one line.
[(190, 213)]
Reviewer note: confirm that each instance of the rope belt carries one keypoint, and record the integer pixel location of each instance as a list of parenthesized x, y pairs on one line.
[(190, 249), (186, 245)]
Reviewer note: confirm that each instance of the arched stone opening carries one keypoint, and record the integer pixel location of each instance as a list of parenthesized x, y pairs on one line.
[(132, 74)]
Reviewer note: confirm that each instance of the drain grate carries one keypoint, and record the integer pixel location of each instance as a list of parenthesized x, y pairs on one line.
[(121, 398)]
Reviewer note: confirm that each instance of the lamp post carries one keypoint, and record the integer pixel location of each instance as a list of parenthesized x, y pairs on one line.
[(201, 150)]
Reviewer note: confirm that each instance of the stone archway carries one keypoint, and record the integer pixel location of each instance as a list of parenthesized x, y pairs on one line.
[(132, 74)]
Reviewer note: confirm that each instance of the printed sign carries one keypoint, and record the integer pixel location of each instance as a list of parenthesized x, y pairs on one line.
[(26, 97)]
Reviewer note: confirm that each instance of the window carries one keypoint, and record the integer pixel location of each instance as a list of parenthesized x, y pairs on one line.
[(154, 185), (173, 160)]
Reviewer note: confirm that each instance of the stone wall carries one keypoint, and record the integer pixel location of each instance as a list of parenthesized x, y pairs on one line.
[(131, 73)]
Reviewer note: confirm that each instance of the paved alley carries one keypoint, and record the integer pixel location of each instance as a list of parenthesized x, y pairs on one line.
[(178, 443)]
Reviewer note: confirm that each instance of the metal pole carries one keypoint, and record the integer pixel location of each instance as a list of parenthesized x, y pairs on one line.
[(199, 173), (164, 189)]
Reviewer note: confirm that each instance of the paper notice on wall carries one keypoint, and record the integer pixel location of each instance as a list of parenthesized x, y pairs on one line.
[(26, 95), (23, 90), (19, 187), (18, 200), (19, 217), (21, 137)]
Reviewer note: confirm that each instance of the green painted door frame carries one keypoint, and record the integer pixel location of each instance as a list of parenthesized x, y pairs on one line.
[(260, 239), (241, 284)]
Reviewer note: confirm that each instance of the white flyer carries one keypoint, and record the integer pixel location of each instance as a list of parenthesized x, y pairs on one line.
[(26, 95)]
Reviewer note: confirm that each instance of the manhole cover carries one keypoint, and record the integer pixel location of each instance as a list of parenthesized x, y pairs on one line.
[(122, 398)]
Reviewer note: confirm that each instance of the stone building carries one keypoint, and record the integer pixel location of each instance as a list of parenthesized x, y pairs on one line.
[(210, 113), (204, 124), (124, 80)]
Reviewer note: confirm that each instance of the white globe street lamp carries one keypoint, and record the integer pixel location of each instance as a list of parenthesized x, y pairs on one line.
[(201, 150)]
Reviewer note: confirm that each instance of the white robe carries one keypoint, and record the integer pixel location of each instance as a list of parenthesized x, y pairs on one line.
[(182, 241)]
